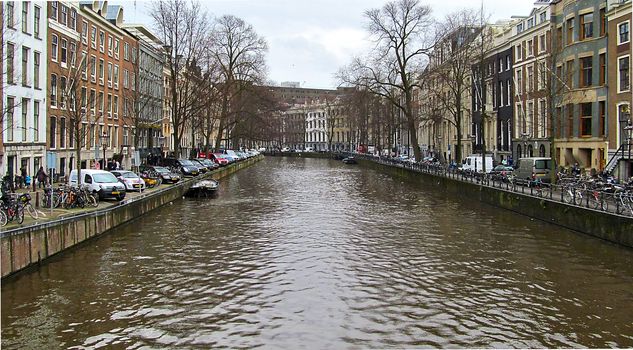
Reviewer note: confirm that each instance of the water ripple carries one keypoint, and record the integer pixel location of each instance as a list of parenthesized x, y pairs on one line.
[(308, 253)]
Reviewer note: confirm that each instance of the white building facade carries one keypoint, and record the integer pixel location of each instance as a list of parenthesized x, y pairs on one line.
[(24, 87)]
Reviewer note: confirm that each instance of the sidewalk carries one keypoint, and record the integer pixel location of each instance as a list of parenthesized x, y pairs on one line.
[(46, 214)]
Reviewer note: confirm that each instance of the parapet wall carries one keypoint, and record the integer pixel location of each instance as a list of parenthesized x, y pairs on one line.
[(27, 246), (608, 226)]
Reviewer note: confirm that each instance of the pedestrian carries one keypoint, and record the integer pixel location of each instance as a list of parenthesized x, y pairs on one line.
[(575, 170), (23, 179), (41, 177), (117, 165)]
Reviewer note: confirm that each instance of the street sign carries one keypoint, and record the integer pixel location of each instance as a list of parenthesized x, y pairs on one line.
[(51, 160)]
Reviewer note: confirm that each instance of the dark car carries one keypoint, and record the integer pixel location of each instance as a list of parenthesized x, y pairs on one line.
[(184, 166), (163, 172), (201, 167), (208, 163)]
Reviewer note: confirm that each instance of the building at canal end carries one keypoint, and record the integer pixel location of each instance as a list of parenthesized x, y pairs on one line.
[(24, 48)]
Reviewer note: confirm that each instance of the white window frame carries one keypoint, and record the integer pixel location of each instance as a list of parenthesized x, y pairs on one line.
[(628, 39)]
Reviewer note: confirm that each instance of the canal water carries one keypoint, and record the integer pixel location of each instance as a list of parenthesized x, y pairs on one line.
[(313, 253)]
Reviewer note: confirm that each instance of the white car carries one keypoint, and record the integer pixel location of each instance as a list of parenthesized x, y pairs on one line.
[(285, 149), (131, 181)]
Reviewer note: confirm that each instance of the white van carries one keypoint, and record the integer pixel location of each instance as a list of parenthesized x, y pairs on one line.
[(474, 163), (101, 182)]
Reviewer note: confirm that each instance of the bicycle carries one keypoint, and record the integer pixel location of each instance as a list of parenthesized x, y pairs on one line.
[(24, 200)]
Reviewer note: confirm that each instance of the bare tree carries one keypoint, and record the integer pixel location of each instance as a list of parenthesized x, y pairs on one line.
[(239, 53), (401, 32), (183, 27), (451, 60)]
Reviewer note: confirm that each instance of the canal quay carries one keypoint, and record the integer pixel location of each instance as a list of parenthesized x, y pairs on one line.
[(314, 253)]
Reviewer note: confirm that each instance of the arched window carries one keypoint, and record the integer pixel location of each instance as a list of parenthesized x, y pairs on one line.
[(541, 151), (519, 154), (530, 151)]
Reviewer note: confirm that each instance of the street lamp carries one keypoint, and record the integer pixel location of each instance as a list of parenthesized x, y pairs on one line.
[(104, 142)]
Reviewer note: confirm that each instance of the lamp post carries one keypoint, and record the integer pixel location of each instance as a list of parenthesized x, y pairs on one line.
[(104, 142)]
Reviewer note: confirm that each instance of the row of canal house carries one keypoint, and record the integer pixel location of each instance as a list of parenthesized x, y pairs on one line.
[(75, 75), (562, 69)]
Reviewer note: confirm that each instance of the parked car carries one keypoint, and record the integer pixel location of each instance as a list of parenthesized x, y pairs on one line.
[(184, 166), (201, 167), (166, 174), (533, 168), (208, 163), (131, 181), (285, 149), (219, 159), (104, 183)]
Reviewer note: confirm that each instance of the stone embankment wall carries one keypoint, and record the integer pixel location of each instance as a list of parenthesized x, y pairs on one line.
[(27, 246), (608, 226)]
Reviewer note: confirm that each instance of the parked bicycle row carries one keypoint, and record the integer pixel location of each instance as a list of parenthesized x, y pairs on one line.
[(599, 192)]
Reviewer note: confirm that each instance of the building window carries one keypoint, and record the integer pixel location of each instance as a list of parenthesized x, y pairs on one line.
[(36, 70), (508, 92), (36, 21), (101, 70), (109, 105), (570, 31), (25, 111), (53, 90), (542, 75), (541, 43), (585, 119), (569, 71), (83, 98), (115, 106), (542, 111), (64, 51), (586, 26), (603, 68), (54, 10), (500, 65), (116, 76), (53, 132), (624, 76), (116, 48), (10, 14), (62, 92), (73, 19), (126, 78), (10, 61), (623, 33), (93, 100), (126, 51), (73, 53), (93, 37), (84, 32), (603, 22), (25, 16), (530, 78), (63, 19), (110, 47), (530, 48), (519, 84), (101, 102), (62, 132), (54, 47), (93, 68), (508, 62), (25, 65), (542, 17), (109, 74), (101, 41), (518, 53), (585, 71), (36, 121), (602, 109)]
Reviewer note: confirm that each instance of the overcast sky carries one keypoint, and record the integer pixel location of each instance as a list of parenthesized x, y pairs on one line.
[(310, 40)]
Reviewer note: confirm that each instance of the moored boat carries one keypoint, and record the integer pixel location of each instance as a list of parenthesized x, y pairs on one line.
[(202, 189)]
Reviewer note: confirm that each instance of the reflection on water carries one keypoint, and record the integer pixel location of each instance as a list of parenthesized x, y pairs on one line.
[(310, 253)]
